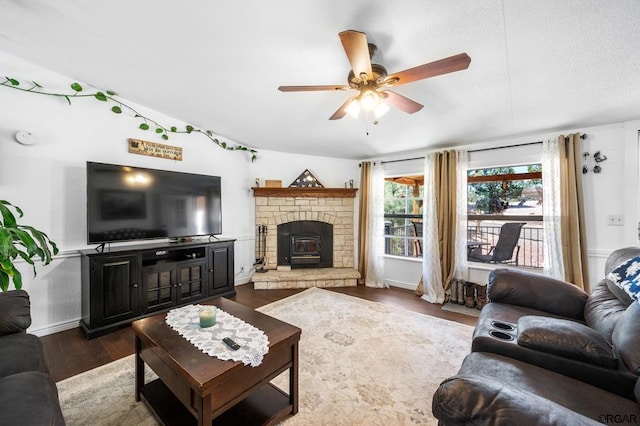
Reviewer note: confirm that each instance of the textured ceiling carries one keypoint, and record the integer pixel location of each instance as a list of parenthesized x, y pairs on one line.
[(535, 65)]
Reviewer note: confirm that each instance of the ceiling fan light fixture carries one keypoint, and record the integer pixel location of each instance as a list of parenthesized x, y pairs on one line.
[(369, 99), (353, 109), (381, 110)]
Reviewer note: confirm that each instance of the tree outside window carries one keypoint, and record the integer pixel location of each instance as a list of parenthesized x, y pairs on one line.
[(403, 203), (506, 194)]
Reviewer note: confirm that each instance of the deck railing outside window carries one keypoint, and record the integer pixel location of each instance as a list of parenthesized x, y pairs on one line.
[(401, 241), (530, 242)]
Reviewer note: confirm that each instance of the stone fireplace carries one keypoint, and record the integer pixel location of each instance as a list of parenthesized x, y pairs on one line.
[(309, 230)]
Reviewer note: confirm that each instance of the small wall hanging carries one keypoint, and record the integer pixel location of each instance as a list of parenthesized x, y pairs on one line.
[(137, 146), (306, 180), (598, 157)]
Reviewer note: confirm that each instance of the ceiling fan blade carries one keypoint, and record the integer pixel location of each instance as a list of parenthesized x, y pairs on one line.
[(432, 69), (342, 111), (310, 88), (400, 102), (357, 50)]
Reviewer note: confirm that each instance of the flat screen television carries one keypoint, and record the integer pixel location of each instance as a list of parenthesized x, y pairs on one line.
[(127, 203)]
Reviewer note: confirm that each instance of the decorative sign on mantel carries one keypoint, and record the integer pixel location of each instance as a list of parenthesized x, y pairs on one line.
[(137, 146)]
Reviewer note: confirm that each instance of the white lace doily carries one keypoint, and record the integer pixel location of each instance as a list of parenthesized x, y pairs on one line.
[(254, 344)]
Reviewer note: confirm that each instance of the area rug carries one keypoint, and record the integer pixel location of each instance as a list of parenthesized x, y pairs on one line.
[(361, 363)]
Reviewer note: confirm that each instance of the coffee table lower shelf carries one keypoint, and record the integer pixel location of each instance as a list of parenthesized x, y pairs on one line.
[(266, 406)]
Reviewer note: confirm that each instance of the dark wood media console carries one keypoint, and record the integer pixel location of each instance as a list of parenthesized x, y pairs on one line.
[(125, 283)]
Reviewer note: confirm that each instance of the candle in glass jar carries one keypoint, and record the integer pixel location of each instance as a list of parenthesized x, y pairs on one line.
[(208, 316)]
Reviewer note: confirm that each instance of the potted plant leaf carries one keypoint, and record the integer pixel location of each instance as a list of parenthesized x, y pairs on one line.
[(21, 241)]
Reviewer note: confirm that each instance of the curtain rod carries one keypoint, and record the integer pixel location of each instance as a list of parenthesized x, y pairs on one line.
[(506, 146), (404, 159), (582, 136), (472, 150)]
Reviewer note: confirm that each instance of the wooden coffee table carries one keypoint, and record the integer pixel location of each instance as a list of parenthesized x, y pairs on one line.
[(195, 386)]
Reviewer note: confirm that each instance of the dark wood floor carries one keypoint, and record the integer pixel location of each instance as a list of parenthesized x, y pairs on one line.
[(68, 353)]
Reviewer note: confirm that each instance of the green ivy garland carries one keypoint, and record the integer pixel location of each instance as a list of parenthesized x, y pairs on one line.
[(147, 122)]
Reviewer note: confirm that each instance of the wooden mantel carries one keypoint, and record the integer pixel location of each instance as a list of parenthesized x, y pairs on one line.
[(305, 192)]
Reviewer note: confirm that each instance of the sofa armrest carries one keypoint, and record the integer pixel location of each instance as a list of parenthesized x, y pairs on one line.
[(15, 312), (477, 400), (567, 339), (536, 292)]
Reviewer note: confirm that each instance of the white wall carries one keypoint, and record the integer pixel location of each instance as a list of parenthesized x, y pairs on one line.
[(47, 180), (614, 191)]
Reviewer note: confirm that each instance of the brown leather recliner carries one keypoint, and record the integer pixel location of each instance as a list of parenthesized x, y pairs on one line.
[(495, 390), (555, 325), (545, 352)]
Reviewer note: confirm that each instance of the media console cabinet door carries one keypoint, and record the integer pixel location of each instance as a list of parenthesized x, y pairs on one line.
[(221, 264), (191, 280), (114, 295)]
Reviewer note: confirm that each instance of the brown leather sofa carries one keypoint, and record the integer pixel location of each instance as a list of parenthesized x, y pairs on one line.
[(28, 394), (492, 389), (539, 336)]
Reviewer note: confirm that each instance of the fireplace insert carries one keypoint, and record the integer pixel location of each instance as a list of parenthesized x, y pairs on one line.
[(305, 244), (305, 249)]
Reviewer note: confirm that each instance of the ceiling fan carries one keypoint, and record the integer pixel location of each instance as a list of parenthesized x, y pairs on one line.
[(372, 80)]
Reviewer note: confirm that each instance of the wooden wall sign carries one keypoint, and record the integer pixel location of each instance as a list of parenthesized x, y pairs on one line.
[(137, 146)]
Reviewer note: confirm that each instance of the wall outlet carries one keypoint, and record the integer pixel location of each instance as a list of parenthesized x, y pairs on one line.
[(615, 220)]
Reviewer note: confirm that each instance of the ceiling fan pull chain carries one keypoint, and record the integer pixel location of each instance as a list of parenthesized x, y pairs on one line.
[(367, 121)]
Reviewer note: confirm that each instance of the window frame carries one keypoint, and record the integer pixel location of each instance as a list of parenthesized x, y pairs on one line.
[(412, 244), (507, 177)]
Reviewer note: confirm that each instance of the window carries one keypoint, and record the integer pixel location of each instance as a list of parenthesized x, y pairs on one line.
[(500, 195), (403, 202)]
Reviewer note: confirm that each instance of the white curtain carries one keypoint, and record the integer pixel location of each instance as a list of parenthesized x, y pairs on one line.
[(551, 209), (461, 267), (375, 264), (431, 269)]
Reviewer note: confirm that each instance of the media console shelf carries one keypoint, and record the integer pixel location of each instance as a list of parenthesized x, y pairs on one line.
[(122, 284)]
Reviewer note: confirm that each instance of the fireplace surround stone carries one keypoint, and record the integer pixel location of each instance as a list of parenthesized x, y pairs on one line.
[(334, 206)]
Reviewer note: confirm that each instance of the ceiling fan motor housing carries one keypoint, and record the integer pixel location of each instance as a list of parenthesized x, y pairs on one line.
[(379, 74)]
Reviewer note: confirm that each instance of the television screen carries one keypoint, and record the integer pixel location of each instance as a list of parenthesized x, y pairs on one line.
[(132, 203)]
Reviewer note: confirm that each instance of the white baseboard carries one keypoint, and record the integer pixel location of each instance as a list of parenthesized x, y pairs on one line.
[(55, 328), (400, 284), (243, 278)]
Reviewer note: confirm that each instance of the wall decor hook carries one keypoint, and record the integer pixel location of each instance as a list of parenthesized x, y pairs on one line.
[(599, 157)]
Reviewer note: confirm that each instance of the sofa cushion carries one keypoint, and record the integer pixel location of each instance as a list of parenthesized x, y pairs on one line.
[(29, 398), (473, 400), (539, 292), (565, 338), (21, 352), (626, 276), (603, 309), (468, 397), (14, 311), (626, 338)]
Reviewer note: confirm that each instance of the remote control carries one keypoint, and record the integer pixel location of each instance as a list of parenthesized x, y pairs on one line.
[(229, 342)]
